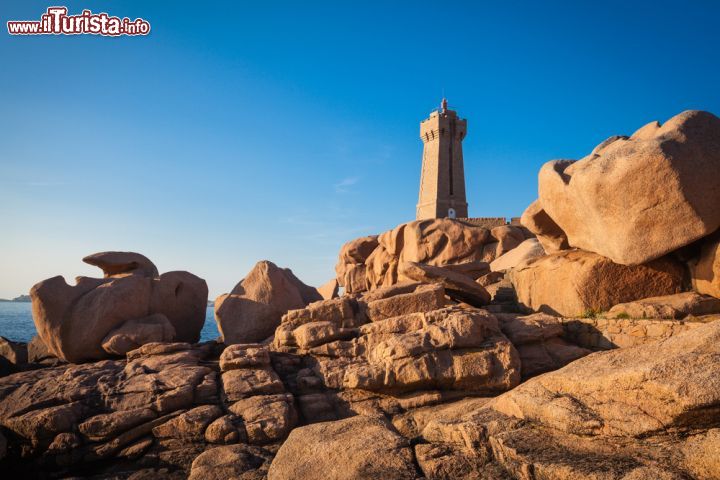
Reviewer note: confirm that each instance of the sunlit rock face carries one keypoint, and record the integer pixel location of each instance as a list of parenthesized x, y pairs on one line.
[(637, 198), (252, 311), (132, 305), (372, 262)]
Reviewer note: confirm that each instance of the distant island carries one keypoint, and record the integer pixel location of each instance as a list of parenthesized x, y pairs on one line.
[(21, 298)]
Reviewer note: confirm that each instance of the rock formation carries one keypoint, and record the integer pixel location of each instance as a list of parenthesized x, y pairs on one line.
[(172, 410), (705, 269), (572, 282), (255, 395), (539, 340), (329, 290), (407, 342), (637, 198), (669, 385), (356, 448), (232, 461), (351, 269), (78, 414), (77, 323), (583, 345), (680, 305), (372, 262), (252, 311), (549, 234), (527, 250), (121, 263), (14, 352), (39, 353), (457, 285), (637, 413)]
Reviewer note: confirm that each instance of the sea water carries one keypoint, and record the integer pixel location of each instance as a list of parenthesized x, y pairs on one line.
[(16, 322)]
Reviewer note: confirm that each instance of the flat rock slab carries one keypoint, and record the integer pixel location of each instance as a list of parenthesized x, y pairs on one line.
[(457, 285), (676, 306), (668, 385)]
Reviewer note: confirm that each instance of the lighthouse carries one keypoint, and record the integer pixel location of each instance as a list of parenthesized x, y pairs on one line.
[(442, 179)]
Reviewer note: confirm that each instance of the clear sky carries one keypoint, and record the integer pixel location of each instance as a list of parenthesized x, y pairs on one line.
[(240, 131)]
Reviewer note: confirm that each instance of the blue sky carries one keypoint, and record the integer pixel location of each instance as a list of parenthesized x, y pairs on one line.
[(242, 131)]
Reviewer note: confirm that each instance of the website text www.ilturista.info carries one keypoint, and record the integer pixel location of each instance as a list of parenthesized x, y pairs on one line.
[(56, 21)]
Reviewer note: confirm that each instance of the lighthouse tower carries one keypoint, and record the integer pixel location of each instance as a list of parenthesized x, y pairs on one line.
[(442, 181)]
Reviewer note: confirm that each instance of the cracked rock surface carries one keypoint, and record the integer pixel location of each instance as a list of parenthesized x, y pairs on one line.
[(400, 382)]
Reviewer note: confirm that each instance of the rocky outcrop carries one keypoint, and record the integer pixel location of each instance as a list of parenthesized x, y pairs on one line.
[(231, 462), (75, 322), (440, 242), (524, 252), (603, 333), (71, 415), (508, 237), (434, 242), (427, 366), (474, 270), (572, 282), (675, 306), (14, 352), (457, 285), (491, 445), (700, 452), (548, 233), (329, 290), (632, 414), (636, 413), (705, 269), (635, 199), (350, 268), (252, 311), (358, 448), (667, 385), (392, 375), (353, 354), (137, 332), (39, 353), (490, 278), (154, 413), (122, 263), (539, 340), (255, 394)]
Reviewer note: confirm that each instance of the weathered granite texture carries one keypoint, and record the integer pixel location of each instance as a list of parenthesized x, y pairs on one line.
[(607, 333), (131, 305), (635, 199), (438, 242)]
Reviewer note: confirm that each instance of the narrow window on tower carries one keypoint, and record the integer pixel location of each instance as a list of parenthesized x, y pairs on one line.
[(450, 162)]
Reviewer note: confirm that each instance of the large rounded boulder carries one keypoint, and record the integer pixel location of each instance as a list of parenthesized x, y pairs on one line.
[(637, 198), (574, 282), (252, 311)]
